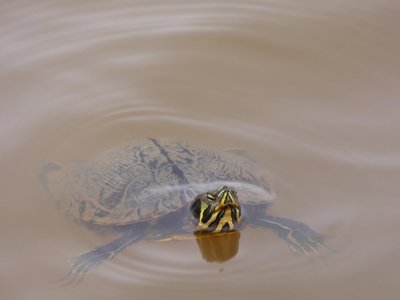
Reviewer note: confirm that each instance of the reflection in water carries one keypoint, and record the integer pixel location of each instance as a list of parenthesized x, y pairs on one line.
[(143, 189), (310, 87), (218, 247)]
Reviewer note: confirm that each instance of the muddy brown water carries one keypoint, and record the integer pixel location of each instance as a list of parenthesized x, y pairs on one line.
[(310, 88)]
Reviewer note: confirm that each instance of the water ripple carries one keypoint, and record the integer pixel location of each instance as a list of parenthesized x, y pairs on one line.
[(258, 135)]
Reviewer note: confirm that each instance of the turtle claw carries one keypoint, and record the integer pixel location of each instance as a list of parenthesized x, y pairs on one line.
[(303, 242), (300, 237), (83, 263)]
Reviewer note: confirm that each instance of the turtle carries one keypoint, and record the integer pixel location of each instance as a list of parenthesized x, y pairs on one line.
[(156, 188)]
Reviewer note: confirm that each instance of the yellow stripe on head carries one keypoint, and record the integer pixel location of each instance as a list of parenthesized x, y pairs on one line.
[(217, 211)]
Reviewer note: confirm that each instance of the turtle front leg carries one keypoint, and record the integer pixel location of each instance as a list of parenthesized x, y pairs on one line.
[(300, 237), (83, 263)]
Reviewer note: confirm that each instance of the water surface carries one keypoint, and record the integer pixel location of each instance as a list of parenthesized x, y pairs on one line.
[(310, 88)]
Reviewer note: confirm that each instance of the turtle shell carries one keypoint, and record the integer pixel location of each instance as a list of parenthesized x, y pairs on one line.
[(149, 178)]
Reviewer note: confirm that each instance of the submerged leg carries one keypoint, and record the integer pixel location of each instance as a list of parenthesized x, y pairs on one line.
[(299, 236), (82, 264)]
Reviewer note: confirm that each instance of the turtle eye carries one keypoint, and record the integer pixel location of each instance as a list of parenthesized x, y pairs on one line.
[(195, 208), (210, 197)]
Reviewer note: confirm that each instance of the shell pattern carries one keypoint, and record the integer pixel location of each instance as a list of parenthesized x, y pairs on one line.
[(149, 178)]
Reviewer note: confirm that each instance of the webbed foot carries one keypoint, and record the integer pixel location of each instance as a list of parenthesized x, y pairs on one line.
[(300, 237), (83, 263)]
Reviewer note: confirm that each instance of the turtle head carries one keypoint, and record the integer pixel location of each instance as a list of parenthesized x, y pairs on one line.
[(218, 210)]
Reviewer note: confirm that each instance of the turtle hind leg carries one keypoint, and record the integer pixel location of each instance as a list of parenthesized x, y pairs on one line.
[(46, 170), (83, 263), (300, 237)]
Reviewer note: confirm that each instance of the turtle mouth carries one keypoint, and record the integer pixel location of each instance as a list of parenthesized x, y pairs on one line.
[(220, 219), (223, 206), (223, 220)]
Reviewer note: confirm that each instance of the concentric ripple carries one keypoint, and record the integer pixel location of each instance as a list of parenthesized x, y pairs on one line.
[(310, 88)]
